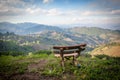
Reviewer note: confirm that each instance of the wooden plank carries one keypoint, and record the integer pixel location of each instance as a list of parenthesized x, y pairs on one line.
[(64, 55), (69, 47), (66, 51)]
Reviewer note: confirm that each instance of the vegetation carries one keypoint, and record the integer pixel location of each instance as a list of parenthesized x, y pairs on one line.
[(37, 34), (12, 48), (47, 67)]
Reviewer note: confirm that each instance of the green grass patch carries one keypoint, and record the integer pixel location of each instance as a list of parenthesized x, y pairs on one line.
[(47, 65)]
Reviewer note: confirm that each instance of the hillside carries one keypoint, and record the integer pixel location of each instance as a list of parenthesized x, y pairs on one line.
[(106, 34), (112, 49), (41, 36), (90, 30)]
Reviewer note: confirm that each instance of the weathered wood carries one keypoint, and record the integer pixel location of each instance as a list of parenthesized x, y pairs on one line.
[(69, 47), (68, 51)]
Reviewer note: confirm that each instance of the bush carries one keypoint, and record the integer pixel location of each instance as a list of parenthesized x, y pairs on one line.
[(12, 53), (103, 56)]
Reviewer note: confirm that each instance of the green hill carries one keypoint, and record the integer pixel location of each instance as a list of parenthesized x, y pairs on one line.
[(92, 31), (11, 48)]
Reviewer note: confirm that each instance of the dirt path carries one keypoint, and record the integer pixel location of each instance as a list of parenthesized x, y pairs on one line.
[(32, 74)]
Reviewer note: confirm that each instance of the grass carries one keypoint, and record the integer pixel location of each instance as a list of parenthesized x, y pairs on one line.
[(99, 68)]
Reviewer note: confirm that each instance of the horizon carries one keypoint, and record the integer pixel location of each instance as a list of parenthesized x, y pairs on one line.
[(103, 14), (67, 26)]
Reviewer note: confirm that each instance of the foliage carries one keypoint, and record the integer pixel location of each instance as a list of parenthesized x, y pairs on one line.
[(103, 56), (12, 53), (11, 48), (8, 66)]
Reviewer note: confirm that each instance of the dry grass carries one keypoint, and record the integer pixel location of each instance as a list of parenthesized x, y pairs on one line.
[(113, 51)]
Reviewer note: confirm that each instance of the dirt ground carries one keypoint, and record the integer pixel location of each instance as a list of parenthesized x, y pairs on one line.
[(30, 73)]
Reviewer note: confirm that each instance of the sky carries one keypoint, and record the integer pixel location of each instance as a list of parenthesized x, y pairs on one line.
[(61, 12)]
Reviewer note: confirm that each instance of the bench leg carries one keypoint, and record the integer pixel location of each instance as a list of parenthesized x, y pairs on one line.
[(74, 60), (62, 62)]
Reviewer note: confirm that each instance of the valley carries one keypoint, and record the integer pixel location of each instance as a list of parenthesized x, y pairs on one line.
[(32, 37)]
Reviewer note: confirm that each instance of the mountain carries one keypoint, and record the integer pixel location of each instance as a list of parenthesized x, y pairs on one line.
[(106, 35), (41, 28), (45, 36), (8, 27), (92, 31), (26, 28)]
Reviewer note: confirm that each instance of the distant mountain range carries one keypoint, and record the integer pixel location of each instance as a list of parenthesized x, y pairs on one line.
[(53, 35), (26, 28)]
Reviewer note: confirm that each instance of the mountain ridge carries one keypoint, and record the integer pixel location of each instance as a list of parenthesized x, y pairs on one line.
[(28, 27), (53, 35)]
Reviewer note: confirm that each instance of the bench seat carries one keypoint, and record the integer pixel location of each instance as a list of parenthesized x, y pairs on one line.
[(65, 55)]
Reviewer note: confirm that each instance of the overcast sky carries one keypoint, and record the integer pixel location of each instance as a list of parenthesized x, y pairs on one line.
[(54, 12)]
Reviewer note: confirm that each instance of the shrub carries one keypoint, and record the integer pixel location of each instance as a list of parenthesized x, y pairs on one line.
[(103, 56)]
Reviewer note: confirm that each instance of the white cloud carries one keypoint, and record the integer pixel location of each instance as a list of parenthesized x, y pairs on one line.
[(12, 7), (39, 11), (54, 12), (47, 1), (12, 3), (35, 11), (99, 13), (96, 20), (115, 12)]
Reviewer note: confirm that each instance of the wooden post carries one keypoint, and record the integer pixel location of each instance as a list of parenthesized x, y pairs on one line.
[(61, 54), (73, 60)]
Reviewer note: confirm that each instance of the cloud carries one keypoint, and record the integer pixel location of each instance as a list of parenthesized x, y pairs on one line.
[(13, 7), (13, 3), (11, 11), (100, 13), (54, 12), (35, 11), (96, 20), (29, 10), (115, 12), (20, 7), (104, 4), (40, 11), (47, 1)]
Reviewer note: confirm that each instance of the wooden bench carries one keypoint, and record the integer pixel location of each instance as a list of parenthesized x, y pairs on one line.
[(68, 51)]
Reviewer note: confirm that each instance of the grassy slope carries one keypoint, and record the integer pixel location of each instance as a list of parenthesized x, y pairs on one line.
[(109, 49), (47, 67)]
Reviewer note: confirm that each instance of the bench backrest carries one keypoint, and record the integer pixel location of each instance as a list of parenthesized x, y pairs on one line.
[(68, 49)]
